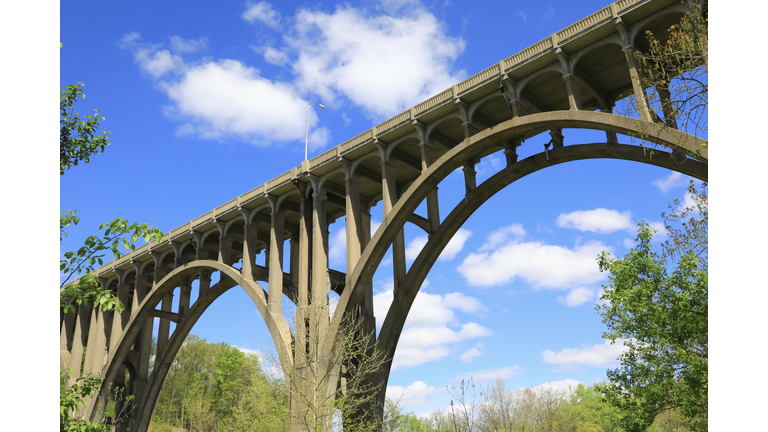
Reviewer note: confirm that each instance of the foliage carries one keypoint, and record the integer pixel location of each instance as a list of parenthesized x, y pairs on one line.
[(86, 290), (218, 387), (78, 136), (675, 70), (339, 384), (72, 398), (662, 319)]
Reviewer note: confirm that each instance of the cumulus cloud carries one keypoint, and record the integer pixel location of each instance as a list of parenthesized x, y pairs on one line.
[(267, 366), (182, 45), (598, 355), (228, 98), (225, 98), (671, 181), (262, 12), (275, 57), (476, 351), (414, 394), (503, 235), (599, 220), (577, 296), (454, 246), (538, 264), (413, 59), (431, 327), (490, 374), (422, 344)]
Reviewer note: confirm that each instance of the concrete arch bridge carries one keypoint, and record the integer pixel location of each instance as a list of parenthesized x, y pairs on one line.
[(571, 79)]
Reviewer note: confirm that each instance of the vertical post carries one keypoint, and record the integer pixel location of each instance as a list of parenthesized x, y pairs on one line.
[(433, 210), (389, 190), (665, 97), (249, 250), (636, 77), (78, 342), (470, 177), (275, 301), (120, 320), (353, 221), (572, 85)]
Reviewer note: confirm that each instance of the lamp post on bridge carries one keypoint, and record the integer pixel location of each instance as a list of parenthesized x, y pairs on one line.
[(306, 134)]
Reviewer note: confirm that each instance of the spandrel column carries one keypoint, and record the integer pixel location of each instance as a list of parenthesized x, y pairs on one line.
[(275, 301)]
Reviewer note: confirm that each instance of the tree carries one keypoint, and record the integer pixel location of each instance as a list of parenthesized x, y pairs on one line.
[(78, 139), (79, 143), (662, 319), (330, 385)]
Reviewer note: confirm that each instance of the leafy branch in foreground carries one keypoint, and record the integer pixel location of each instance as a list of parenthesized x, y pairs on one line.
[(78, 136), (86, 289), (663, 319)]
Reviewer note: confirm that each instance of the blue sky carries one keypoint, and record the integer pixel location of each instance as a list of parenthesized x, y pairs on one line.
[(207, 102)]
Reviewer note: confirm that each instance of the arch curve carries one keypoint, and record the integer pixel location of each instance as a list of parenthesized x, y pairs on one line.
[(277, 326)]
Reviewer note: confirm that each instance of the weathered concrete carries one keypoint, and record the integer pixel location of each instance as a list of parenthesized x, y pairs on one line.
[(558, 83)]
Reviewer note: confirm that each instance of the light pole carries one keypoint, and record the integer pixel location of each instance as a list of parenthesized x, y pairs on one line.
[(306, 134)]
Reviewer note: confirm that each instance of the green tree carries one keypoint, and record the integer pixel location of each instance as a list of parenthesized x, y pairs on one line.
[(661, 316), (78, 136), (78, 143)]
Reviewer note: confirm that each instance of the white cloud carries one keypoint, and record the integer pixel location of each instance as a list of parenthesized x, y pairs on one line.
[(503, 235), (455, 245), (413, 59), (227, 98), (523, 16), (673, 180), (431, 326), (565, 385), (262, 12), (577, 296), (476, 351), (179, 44), (537, 263), (419, 345), (599, 220), (490, 374), (414, 394), (598, 355), (629, 243), (275, 57), (414, 247)]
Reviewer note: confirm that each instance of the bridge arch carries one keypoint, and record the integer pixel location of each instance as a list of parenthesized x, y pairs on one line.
[(231, 277), (473, 147)]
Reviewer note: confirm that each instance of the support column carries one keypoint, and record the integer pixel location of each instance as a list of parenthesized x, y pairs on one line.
[(510, 149), (249, 251), (321, 283), (433, 211), (636, 77), (120, 320), (78, 342), (275, 301), (225, 250), (184, 293), (470, 177), (164, 327), (96, 345), (144, 338), (611, 137), (354, 233), (665, 97), (205, 284), (67, 330), (572, 85), (389, 190), (304, 251)]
